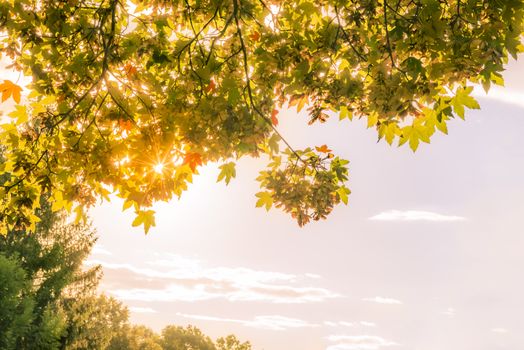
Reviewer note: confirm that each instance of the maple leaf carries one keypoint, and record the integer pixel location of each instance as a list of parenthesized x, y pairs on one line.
[(193, 160), (8, 89), (323, 149), (274, 119), (125, 125), (264, 200), (211, 87), (227, 171), (255, 36), (146, 218), (130, 70)]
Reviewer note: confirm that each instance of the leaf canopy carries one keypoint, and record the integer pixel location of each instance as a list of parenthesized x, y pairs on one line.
[(132, 97)]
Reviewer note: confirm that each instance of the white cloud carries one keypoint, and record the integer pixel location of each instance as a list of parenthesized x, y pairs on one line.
[(349, 324), (382, 300), (368, 324), (358, 342), (338, 324), (500, 330), (414, 215), (269, 322), (450, 312), (142, 310), (273, 294), (181, 279)]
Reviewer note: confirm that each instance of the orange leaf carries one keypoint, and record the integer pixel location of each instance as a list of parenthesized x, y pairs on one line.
[(8, 89), (193, 160), (323, 149), (255, 36), (125, 124), (274, 119), (212, 86), (130, 69)]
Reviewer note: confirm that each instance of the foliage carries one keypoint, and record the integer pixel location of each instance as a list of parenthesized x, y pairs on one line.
[(191, 338), (135, 338), (41, 271), (231, 343), (180, 338), (93, 321), (16, 312), (132, 97)]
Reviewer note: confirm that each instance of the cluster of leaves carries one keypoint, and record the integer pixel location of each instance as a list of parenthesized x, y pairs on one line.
[(305, 186), (49, 302), (132, 97)]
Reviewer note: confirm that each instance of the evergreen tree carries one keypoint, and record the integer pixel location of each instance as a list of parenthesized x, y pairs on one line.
[(39, 273)]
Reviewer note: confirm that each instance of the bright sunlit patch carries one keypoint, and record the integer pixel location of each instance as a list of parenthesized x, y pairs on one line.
[(271, 19), (177, 160), (158, 168), (275, 9)]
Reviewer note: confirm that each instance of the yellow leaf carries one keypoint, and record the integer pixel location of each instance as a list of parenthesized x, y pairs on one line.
[(146, 218), (391, 131), (58, 201), (20, 114), (127, 204), (80, 215), (302, 103), (265, 199), (372, 119)]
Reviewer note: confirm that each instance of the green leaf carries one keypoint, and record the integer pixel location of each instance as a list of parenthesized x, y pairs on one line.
[(227, 172), (233, 92), (343, 192), (273, 143)]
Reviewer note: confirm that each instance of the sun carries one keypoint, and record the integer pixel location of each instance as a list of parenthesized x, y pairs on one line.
[(158, 168)]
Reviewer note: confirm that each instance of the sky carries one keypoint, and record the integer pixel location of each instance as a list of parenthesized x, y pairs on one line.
[(426, 256)]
